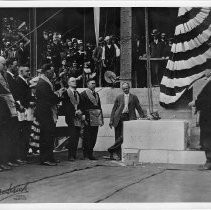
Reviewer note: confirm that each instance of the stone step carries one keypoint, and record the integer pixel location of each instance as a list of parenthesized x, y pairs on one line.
[(131, 156)]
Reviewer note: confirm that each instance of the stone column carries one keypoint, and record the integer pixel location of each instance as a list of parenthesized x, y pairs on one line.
[(126, 44)]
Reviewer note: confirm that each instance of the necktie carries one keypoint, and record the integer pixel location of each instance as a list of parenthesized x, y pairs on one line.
[(75, 95), (94, 94)]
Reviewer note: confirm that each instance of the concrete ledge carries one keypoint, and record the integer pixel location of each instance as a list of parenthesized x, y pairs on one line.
[(172, 157), (152, 134)]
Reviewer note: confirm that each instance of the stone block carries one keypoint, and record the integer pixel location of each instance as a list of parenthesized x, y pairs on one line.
[(153, 156), (172, 157), (152, 134), (105, 130), (130, 156), (103, 143), (186, 157)]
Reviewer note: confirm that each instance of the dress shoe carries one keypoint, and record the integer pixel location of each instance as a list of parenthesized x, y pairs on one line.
[(5, 167), (92, 158), (71, 159), (111, 156), (207, 166), (21, 162), (48, 163), (12, 164), (55, 161), (116, 157)]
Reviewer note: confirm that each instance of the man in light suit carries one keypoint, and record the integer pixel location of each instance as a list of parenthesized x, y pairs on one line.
[(123, 110)]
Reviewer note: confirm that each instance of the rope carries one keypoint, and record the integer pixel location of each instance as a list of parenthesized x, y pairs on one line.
[(25, 36), (149, 85), (106, 22)]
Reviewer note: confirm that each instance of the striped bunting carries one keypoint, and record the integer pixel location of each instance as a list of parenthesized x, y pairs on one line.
[(190, 54)]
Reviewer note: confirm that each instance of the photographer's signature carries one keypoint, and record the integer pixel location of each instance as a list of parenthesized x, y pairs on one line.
[(14, 190)]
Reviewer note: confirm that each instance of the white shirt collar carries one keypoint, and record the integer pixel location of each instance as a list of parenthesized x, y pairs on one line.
[(10, 73), (23, 79), (72, 89)]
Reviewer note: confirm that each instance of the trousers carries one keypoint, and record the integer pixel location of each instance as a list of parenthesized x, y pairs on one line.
[(46, 144), (89, 140), (116, 147), (74, 133)]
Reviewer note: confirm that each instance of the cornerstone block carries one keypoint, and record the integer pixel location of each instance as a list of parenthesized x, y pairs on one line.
[(150, 134)]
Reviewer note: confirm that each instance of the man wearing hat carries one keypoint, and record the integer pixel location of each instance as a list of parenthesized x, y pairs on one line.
[(98, 60), (45, 114), (156, 52)]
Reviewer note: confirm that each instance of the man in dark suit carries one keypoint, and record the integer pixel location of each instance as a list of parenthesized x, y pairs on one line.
[(71, 104), (7, 114), (156, 50), (123, 110), (45, 114), (14, 124), (203, 105), (22, 55), (91, 108), (24, 98)]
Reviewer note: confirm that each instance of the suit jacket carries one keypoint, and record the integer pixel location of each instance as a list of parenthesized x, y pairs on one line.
[(12, 85), (156, 49), (203, 104), (4, 109), (68, 108), (86, 104), (23, 93), (118, 107), (22, 56), (46, 99)]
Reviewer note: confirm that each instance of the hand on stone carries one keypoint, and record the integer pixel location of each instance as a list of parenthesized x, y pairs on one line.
[(192, 104)]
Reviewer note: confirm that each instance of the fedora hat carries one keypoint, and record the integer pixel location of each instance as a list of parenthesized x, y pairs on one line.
[(155, 32)]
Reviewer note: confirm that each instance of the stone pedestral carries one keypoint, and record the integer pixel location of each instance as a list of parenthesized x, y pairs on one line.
[(160, 134), (162, 141)]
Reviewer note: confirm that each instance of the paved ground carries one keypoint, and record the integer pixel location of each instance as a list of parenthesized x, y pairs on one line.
[(105, 181)]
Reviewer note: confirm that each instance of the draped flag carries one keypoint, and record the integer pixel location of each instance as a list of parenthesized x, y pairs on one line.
[(190, 54), (97, 22)]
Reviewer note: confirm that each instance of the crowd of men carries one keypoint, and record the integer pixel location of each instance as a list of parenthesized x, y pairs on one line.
[(33, 102), (73, 57)]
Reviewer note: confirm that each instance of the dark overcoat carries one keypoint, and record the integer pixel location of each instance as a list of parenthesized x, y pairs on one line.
[(203, 104), (46, 99)]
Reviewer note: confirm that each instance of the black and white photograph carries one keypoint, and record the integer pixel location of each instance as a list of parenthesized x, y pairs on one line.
[(105, 104)]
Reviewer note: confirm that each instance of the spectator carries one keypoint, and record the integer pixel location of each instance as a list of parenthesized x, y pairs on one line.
[(22, 55), (98, 61), (156, 52)]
